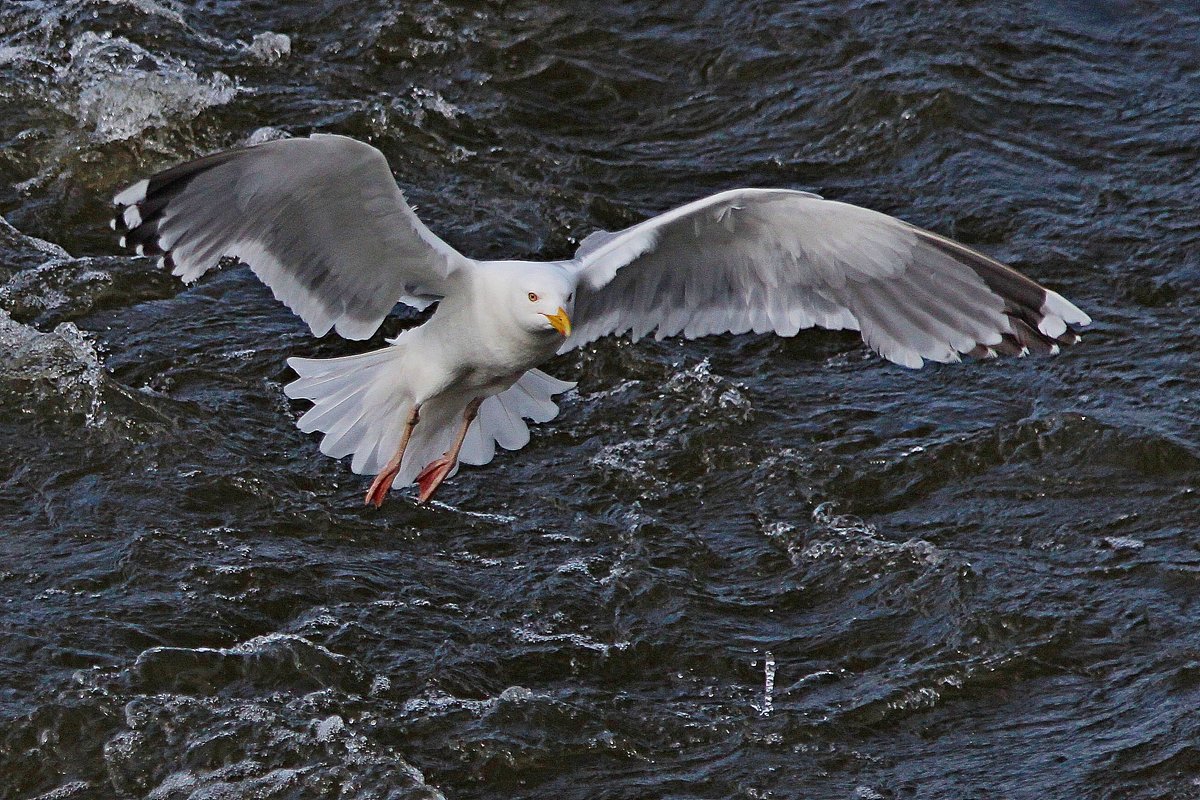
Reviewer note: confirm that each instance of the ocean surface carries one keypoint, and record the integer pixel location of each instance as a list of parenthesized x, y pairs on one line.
[(740, 567)]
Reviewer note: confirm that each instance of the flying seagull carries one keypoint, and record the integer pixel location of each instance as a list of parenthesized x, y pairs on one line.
[(321, 221)]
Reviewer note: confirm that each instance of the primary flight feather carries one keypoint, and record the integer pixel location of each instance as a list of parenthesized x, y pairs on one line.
[(321, 221)]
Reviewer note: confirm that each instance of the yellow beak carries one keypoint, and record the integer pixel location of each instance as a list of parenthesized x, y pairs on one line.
[(560, 321)]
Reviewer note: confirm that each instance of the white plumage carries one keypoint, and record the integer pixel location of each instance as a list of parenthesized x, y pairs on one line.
[(323, 224)]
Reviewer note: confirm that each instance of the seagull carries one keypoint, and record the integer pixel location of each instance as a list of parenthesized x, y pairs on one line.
[(321, 221)]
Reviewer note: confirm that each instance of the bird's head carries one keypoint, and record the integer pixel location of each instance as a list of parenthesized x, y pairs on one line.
[(545, 300)]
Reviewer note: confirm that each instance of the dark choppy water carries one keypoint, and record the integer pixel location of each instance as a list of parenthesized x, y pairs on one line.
[(741, 567)]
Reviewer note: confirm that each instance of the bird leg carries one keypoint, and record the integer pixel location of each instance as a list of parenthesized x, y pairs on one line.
[(435, 472), (383, 481)]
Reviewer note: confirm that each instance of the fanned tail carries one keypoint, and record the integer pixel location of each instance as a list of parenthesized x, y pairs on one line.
[(502, 417), (361, 402)]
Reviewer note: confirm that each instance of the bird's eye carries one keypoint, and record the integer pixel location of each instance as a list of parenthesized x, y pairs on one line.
[(572, 294), (533, 298)]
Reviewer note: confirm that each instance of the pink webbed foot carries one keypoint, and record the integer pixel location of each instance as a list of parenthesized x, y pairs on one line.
[(432, 476), (380, 486), (383, 481)]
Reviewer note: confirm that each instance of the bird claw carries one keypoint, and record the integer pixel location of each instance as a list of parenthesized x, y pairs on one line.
[(380, 486), (432, 476)]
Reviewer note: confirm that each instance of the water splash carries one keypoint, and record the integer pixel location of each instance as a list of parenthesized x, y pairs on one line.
[(57, 370), (768, 699), (269, 47), (123, 89)]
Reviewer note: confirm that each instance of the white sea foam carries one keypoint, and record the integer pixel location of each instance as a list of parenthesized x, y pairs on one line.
[(60, 369), (281, 743), (123, 89), (269, 47)]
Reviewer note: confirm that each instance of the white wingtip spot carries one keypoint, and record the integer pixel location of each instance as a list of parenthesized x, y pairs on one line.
[(112, 223), (132, 217), (134, 194), (1058, 306), (121, 242), (1052, 326), (140, 250)]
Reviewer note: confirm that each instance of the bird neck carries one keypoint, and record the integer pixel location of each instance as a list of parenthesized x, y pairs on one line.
[(481, 328)]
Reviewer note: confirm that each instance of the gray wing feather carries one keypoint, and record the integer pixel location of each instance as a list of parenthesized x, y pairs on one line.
[(777, 260), (319, 220)]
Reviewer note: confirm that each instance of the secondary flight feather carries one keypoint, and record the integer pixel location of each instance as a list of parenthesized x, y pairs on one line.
[(321, 221)]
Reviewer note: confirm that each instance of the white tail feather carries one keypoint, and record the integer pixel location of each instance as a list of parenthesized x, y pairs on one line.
[(502, 417), (361, 402)]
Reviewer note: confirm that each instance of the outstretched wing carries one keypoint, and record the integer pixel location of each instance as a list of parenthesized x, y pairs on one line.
[(319, 220), (776, 260)]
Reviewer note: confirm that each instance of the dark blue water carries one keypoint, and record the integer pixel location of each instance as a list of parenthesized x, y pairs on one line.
[(739, 567)]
